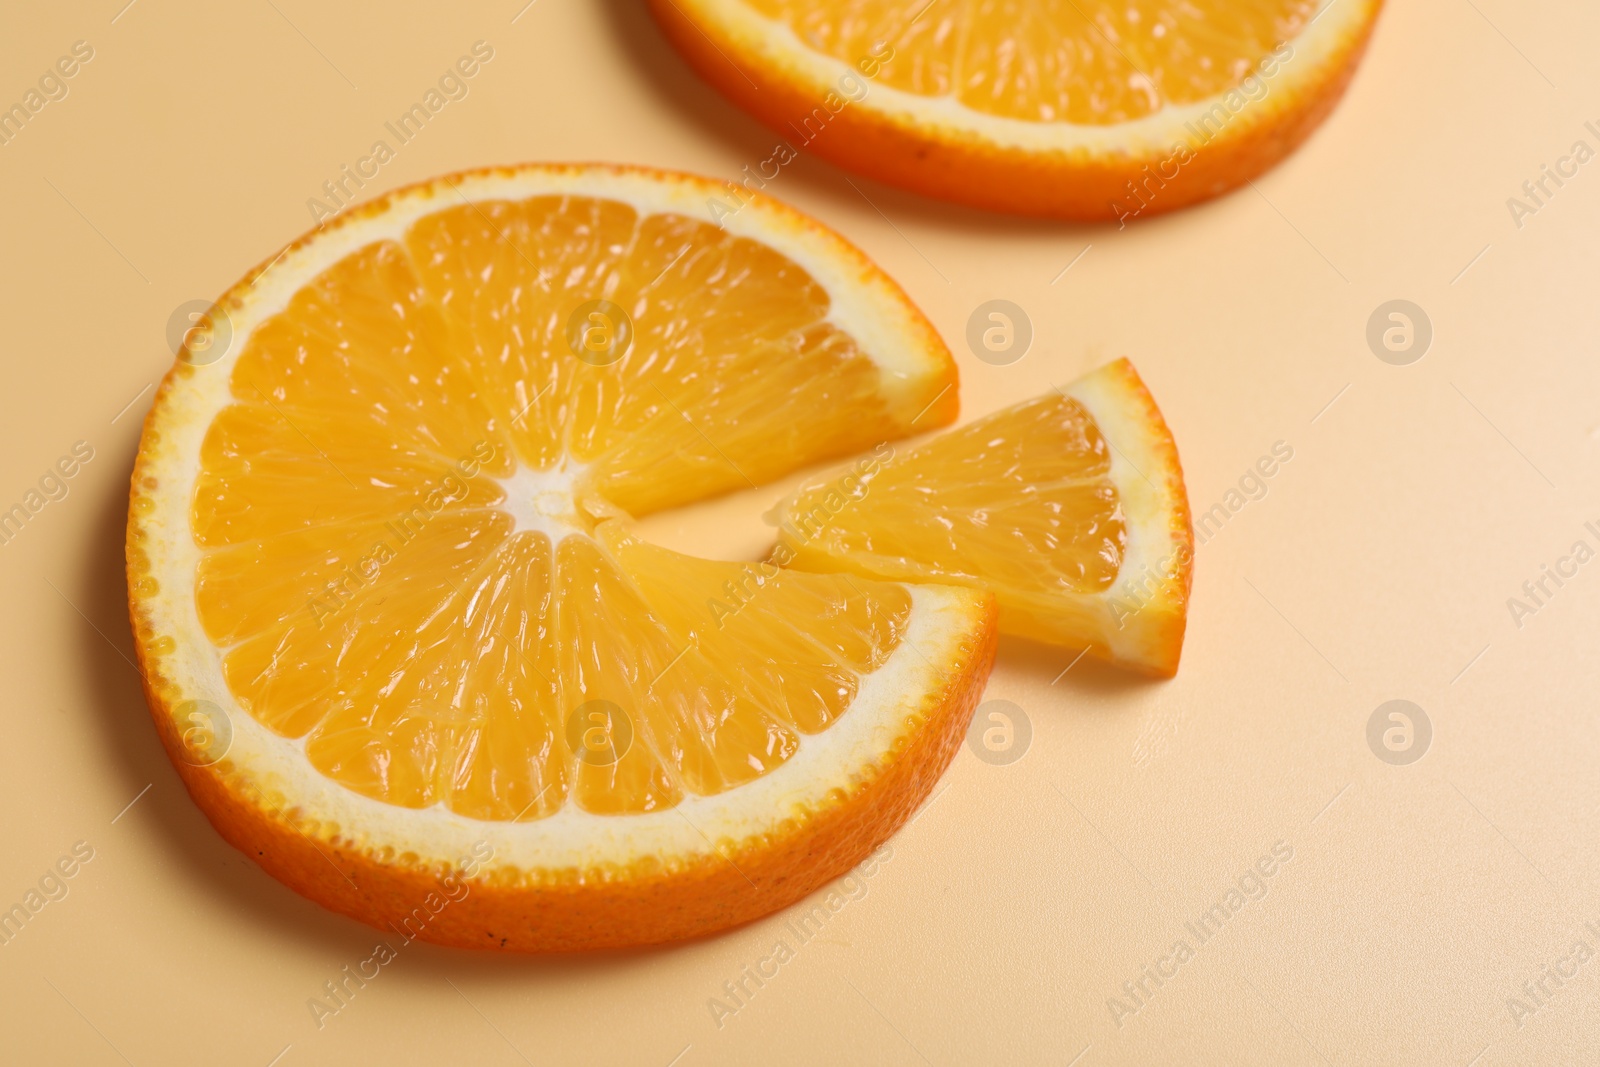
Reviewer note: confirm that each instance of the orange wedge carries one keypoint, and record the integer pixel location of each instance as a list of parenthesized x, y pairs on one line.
[(397, 636), (1070, 508), (1077, 109)]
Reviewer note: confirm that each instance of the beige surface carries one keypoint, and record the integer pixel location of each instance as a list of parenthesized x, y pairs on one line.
[(1418, 899)]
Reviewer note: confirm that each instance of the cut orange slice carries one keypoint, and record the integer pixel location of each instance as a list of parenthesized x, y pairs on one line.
[(396, 635), (1071, 508), (1080, 109)]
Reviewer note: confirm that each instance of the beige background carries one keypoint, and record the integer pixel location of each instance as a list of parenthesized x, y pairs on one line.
[(1419, 898)]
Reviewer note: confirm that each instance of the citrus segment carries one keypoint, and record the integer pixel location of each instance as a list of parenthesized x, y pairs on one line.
[(1070, 507), (686, 383), (1079, 61), (789, 642)]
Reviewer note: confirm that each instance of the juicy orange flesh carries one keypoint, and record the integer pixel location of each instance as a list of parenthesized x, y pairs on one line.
[(379, 590), (1021, 502), (1083, 61)]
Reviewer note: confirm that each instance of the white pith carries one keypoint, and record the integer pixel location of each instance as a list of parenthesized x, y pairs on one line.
[(778, 47), (888, 702), (543, 501)]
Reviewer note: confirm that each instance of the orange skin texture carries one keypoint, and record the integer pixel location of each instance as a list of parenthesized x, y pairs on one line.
[(551, 911), (1073, 185)]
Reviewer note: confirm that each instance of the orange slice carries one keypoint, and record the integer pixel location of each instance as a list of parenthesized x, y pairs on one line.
[(396, 635), (1070, 508), (1078, 109)]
